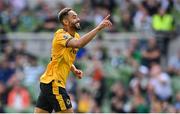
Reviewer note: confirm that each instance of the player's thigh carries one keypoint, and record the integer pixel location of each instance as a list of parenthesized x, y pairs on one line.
[(39, 110), (60, 100)]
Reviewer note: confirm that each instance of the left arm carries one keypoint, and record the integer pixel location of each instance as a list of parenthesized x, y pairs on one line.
[(78, 73)]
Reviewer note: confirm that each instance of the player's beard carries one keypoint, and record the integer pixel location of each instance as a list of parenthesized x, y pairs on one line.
[(76, 26)]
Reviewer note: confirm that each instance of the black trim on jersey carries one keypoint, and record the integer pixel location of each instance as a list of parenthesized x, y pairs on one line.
[(68, 41)]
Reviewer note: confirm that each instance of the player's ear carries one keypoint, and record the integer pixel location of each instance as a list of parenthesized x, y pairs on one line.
[(65, 22)]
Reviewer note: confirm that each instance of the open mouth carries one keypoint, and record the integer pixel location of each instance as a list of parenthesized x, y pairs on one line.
[(77, 24)]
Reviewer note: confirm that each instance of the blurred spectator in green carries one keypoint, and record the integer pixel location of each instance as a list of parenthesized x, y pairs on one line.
[(26, 21), (138, 101), (133, 52)]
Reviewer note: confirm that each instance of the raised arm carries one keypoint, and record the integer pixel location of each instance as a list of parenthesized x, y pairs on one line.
[(90, 35)]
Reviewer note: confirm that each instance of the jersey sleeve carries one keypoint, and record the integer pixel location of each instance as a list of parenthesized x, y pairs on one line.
[(62, 39)]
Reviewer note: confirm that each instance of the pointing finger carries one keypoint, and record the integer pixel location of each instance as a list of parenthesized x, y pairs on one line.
[(107, 17)]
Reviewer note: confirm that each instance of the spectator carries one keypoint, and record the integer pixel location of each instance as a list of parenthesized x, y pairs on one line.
[(18, 5), (2, 97), (26, 21), (177, 102), (126, 22), (162, 21), (177, 4), (156, 107), (151, 54), (14, 23), (138, 102), (133, 53), (86, 17), (167, 5), (128, 5), (6, 72), (18, 99), (85, 102), (171, 109), (32, 72), (163, 25), (118, 98), (108, 4), (140, 78), (3, 39), (100, 91), (50, 22), (161, 83), (142, 20), (174, 64), (117, 58), (151, 6)]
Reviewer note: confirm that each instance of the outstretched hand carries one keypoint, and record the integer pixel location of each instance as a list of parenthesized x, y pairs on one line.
[(105, 23)]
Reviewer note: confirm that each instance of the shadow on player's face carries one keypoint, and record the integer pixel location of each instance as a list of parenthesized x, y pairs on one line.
[(74, 20)]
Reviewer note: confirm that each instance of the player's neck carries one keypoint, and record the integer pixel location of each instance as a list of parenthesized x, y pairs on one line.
[(69, 30)]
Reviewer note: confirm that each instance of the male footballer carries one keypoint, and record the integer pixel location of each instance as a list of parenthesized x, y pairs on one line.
[(66, 42)]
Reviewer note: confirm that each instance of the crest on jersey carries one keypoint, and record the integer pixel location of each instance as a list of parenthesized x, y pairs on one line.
[(68, 101), (65, 36)]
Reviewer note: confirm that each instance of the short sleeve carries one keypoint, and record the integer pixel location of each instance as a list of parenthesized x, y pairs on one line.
[(62, 39)]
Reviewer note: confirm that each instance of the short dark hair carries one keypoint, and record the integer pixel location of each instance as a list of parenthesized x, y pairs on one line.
[(63, 13)]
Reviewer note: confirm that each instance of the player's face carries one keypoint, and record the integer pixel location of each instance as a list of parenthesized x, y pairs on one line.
[(74, 20)]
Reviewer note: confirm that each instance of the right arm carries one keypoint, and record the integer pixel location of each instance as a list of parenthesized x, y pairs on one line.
[(90, 35)]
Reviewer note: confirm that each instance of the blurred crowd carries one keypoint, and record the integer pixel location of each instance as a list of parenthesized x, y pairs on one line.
[(130, 80), (126, 15)]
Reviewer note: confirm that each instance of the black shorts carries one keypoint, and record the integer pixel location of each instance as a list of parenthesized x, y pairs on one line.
[(52, 98)]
